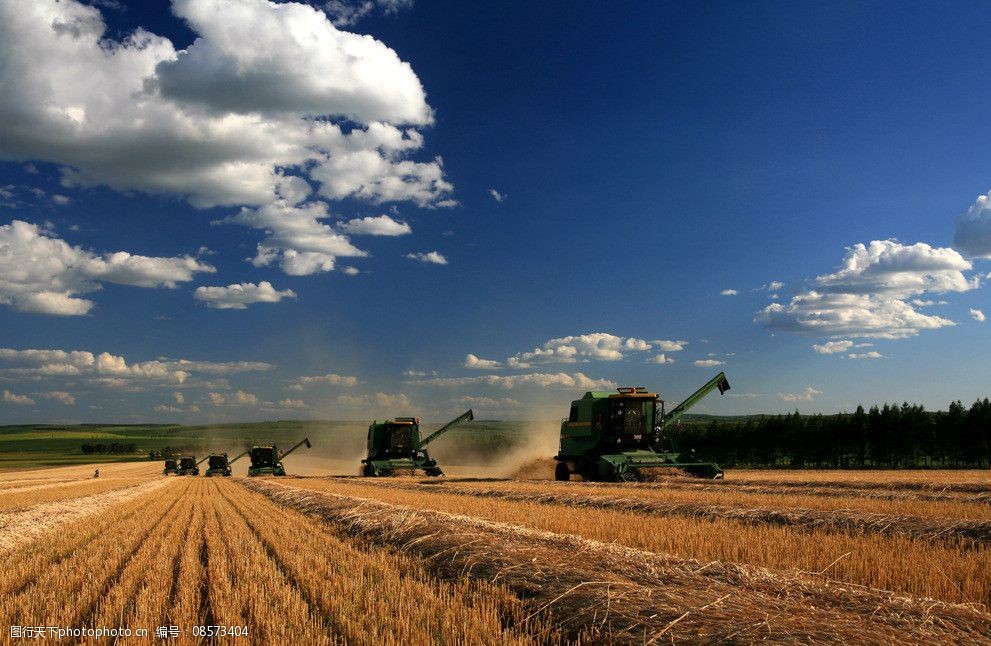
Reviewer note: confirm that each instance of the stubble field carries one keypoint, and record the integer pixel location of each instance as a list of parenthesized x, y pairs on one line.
[(796, 557)]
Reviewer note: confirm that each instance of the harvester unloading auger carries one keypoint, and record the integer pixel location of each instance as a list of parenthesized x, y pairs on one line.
[(395, 444), (219, 465), (612, 436), (266, 460)]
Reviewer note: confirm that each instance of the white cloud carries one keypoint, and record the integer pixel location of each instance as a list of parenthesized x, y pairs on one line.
[(62, 397), (431, 257), (296, 238), (471, 361), (239, 296), (488, 403), (167, 408), (381, 225), (222, 122), (329, 379), (708, 363), (669, 346), (867, 296), (807, 395), (771, 287), (660, 359), (20, 400), (973, 229), (389, 404), (597, 346), (497, 196), (43, 274), (179, 397), (112, 370), (293, 404), (545, 380), (238, 398), (832, 347), (351, 271), (728, 292), (348, 12), (977, 315), (873, 354), (61, 200)]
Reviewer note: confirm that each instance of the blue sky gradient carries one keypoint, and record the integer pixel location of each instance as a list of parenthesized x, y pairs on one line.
[(650, 155)]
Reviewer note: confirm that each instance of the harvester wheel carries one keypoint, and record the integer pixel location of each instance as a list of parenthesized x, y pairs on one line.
[(434, 472), (561, 472), (368, 471)]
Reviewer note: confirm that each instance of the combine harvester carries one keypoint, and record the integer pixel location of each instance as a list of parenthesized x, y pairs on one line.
[(188, 466), (266, 461), (610, 437), (219, 465), (395, 444), (171, 466)]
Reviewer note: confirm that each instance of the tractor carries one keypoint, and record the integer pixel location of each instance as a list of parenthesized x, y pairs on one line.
[(610, 437), (218, 464), (188, 466), (395, 444), (171, 466), (266, 460)]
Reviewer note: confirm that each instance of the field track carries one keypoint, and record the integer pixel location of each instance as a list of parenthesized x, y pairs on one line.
[(394, 561)]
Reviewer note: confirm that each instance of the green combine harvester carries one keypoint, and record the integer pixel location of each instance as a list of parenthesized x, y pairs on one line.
[(171, 466), (610, 437), (218, 464), (395, 444), (266, 460), (188, 466)]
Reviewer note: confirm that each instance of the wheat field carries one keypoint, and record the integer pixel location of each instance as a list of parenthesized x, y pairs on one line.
[(809, 558)]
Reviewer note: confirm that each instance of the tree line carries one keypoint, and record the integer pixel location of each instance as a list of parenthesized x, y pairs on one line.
[(114, 448), (890, 437)]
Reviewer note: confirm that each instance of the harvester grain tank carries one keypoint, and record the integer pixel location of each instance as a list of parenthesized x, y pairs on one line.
[(219, 465), (612, 436), (171, 466), (266, 460), (188, 466), (395, 444)]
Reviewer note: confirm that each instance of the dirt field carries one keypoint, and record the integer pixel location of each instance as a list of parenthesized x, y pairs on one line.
[(798, 557)]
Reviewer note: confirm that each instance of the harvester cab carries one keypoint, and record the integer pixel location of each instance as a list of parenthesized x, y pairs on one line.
[(266, 460), (614, 436), (395, 444), (171, 466), (188, 466)]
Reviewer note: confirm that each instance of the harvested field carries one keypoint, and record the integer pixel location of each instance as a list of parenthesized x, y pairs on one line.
[(392, 561), (649, 596)]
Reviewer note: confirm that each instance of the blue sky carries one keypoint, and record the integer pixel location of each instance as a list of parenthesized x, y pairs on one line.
[(348, 210)]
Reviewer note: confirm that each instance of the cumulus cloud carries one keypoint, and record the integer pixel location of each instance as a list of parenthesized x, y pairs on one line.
[(660, 359), (868, 295), (296, 238), (293, 404), (873, 354), (62, 397), (381, 225), (329, 379), (973, 229), (545, 380), (497, 196), (488, 403), (239, 296), (238, 398), (112, 370), (708, 363), (471, 361), (597, 346), (388, 404), (20, 400), (61, 200), (430, 258), (669, 346), (832, 347), (348, 12), (977, 315), (259, 95), (179, 397), (807, 395), (728, 292), (42, 274)]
